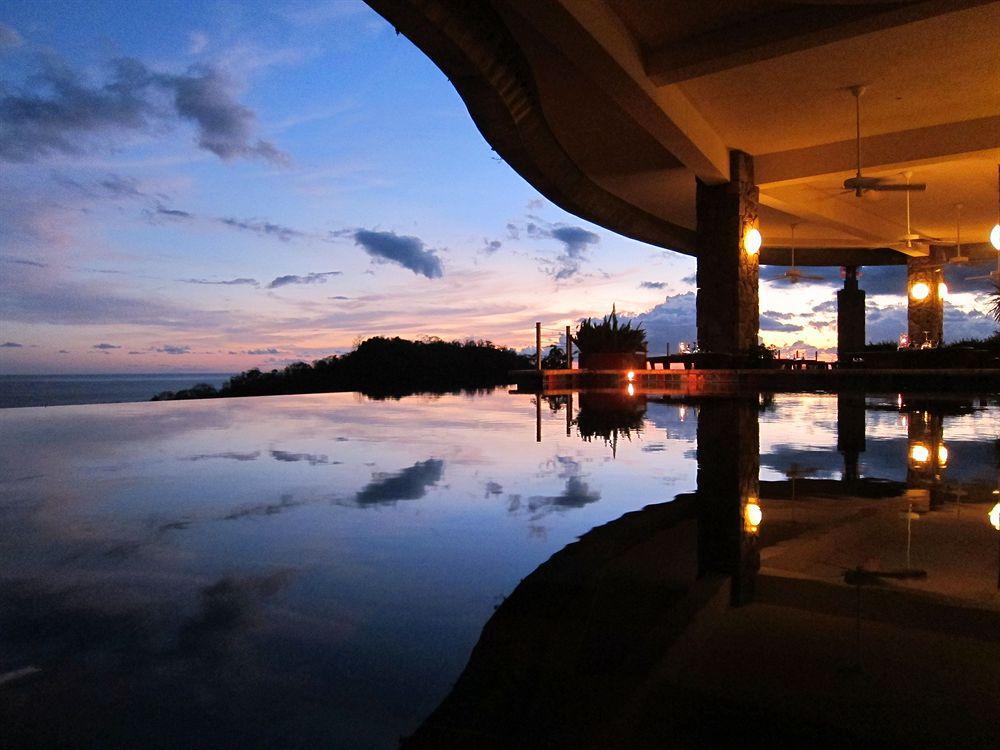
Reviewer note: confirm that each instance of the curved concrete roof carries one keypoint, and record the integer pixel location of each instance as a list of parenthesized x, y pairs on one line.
[(613, 108)]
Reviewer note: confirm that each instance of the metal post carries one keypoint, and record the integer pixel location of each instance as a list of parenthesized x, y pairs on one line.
[(538, 346), (569, 350)]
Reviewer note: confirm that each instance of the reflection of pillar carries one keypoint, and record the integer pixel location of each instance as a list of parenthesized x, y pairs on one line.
[(569, 412), (850, 315), (850, 431), (927, 454), (728, 469), (538, 418), (925, 308), (727, 275)]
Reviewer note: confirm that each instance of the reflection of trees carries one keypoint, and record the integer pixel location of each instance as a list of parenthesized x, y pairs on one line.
[(609, 416)]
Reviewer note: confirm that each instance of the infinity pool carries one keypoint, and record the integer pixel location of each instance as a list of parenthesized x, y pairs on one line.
[(311, 571)]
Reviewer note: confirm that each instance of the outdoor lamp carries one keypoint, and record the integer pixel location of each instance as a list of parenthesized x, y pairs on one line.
[(942, 290), (752, 515), (942, 452), (630, 376), (752, 241), (919, 453), (995, 517), (995, 236), (920, 291)]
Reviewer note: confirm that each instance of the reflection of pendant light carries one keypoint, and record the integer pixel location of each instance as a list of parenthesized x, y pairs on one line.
[(995, 233)]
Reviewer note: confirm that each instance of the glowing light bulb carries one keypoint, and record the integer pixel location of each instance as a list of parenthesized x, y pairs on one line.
[(942, 290), (919, 291), (919, 453), (630, 390), (630, 376), (995, 236), (752, 241), (752, 515), (995, 517), (942, 455)]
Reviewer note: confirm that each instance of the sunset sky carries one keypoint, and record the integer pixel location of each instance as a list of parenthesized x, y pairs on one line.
[(216, 186)]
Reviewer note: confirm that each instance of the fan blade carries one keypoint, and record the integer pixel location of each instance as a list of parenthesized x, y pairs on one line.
[(899, 186)]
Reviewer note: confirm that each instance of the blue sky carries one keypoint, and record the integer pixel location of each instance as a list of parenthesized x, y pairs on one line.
[(215, 186)]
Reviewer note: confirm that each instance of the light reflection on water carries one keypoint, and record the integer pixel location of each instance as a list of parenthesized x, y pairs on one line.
[(304, 570)]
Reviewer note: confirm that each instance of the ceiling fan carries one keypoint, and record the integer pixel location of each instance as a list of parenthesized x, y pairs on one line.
[(859, 184), (794, 275)]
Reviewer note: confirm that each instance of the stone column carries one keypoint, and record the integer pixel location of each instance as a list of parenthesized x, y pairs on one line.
[(850, 316), (728, 482), (851, 432), (728, 313), (925, 316)]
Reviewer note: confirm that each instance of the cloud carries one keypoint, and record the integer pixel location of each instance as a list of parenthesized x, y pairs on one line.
[(409, 484), (575, 241), (230, 455), (173, 349), (309, 278), (830, 306), (312, 459), (105, 347), (407, 251), (264, 228), (174, 213), (575, 494), (653, 285), (23, 261), (770, 324), (226, 282), (670, 322), (11, 345), (491, 246), (9, 37), (269, 350), (197, 42), (62, 111)]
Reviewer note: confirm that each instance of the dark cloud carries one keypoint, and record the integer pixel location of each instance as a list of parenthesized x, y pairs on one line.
[(408, 252), (309, 278), (778, 315), (575, 494), (105, 346), (491, 246), (173, 213), (264, 228), (9, 37), (226, 282), (830, 306), (264, 509), (338, 297), (173, 349), (11, 345), (513, 232), (670, 322), (770, 324), (653, 285), (575, 241), (62, 113), (493, 488), (313, 459), (409, 484), (118, 186), (269, 350)]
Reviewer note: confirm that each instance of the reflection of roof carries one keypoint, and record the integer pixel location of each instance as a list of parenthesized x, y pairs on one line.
[(612, 108)]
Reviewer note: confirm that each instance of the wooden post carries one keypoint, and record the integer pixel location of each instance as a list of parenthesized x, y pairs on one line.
[(538, 346), (538, 417), (569, 349)]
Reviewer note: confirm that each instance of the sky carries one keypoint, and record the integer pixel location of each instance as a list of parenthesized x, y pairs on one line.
[(217, 186)]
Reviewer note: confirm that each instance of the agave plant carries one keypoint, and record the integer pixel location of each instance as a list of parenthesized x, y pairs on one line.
[(610, 336)]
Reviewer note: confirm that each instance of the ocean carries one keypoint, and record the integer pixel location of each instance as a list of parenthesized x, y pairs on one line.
[(61, 390)]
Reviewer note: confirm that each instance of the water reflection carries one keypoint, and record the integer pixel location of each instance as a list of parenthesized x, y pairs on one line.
[(315, 570)]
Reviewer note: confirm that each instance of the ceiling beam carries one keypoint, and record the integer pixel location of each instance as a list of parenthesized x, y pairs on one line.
[(784, 32), (902, 149), (594, 38), (831, 256)]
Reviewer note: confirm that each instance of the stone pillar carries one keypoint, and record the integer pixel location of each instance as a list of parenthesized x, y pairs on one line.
[(925, 316), (728, 313), (728, 482), (850, 316)]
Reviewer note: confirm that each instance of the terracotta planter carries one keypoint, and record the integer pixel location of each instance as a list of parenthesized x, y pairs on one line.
[(613, 361)]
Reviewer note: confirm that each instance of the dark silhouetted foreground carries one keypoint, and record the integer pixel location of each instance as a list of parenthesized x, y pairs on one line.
[(378, 367)]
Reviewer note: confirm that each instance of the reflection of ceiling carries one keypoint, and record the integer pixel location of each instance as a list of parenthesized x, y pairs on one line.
[(643, 96)]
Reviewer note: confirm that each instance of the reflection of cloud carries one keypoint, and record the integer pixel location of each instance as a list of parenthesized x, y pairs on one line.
[(232, 455), (313, 459), (576, 494), (493, 488), (409, 484), (264, 509)]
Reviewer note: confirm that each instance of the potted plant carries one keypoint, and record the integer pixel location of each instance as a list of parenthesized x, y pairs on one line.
[(609, 344)]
